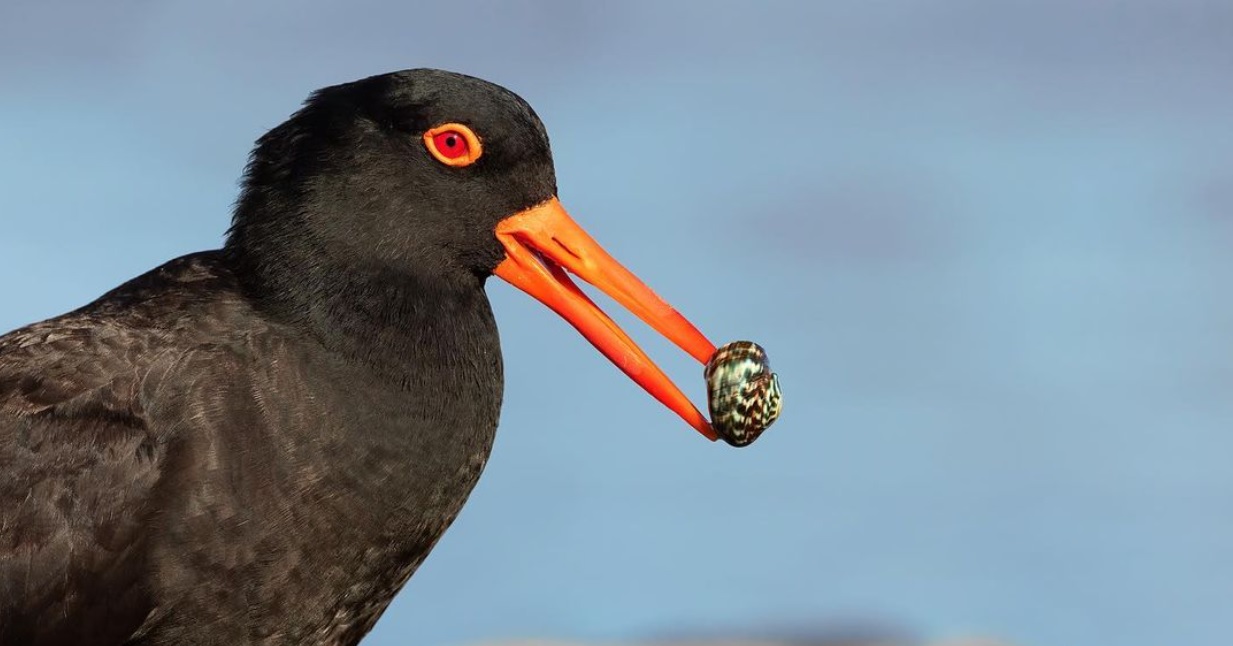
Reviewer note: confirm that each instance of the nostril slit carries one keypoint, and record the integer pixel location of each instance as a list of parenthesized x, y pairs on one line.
[(566, 248)]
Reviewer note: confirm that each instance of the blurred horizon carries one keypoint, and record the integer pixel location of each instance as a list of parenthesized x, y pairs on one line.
[(987, 246)]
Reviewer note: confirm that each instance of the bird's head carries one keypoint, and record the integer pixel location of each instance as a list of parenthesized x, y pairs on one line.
[(444, 178)]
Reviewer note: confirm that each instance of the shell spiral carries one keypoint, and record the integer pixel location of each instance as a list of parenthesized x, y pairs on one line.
[(742, 393)]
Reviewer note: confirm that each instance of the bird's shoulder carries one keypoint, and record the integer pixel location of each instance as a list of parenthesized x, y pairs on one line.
[(95, 359)]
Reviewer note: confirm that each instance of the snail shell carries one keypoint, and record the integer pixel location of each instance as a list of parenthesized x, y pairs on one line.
[(742, 392)]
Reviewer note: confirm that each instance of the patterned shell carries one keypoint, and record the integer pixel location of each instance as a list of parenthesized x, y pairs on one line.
[(742, 392)]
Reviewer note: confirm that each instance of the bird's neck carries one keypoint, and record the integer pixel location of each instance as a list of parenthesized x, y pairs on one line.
[(388, 320), (394, 322)]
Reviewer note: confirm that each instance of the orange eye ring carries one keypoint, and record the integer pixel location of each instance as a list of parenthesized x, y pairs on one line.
[(453, 144)]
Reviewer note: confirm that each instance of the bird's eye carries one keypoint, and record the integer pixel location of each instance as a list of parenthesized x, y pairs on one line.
[(453, 144)]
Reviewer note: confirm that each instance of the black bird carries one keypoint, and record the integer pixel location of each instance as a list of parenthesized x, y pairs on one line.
[(259, 444)]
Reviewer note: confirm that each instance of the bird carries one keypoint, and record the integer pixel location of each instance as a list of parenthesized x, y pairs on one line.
[(260, 443)]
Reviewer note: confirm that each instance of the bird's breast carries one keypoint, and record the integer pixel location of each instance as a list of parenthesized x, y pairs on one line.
[(320, 483)]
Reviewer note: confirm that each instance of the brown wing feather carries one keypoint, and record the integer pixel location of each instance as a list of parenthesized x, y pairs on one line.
[(80, 462)]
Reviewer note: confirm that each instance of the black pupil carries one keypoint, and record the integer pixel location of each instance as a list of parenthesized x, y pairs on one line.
[(451, 141)]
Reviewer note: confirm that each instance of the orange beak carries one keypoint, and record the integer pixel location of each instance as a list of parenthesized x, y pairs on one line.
[(542, 242)]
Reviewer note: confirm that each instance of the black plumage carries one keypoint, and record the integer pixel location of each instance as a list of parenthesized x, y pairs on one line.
[(259, 444)]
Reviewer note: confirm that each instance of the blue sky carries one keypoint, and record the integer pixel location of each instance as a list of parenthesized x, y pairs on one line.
[(986, 244)]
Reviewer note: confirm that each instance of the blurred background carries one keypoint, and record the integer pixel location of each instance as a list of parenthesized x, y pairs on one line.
[(987, 245)]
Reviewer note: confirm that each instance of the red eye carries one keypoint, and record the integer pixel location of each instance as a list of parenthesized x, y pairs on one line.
[(450, 144), (453, 144)]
